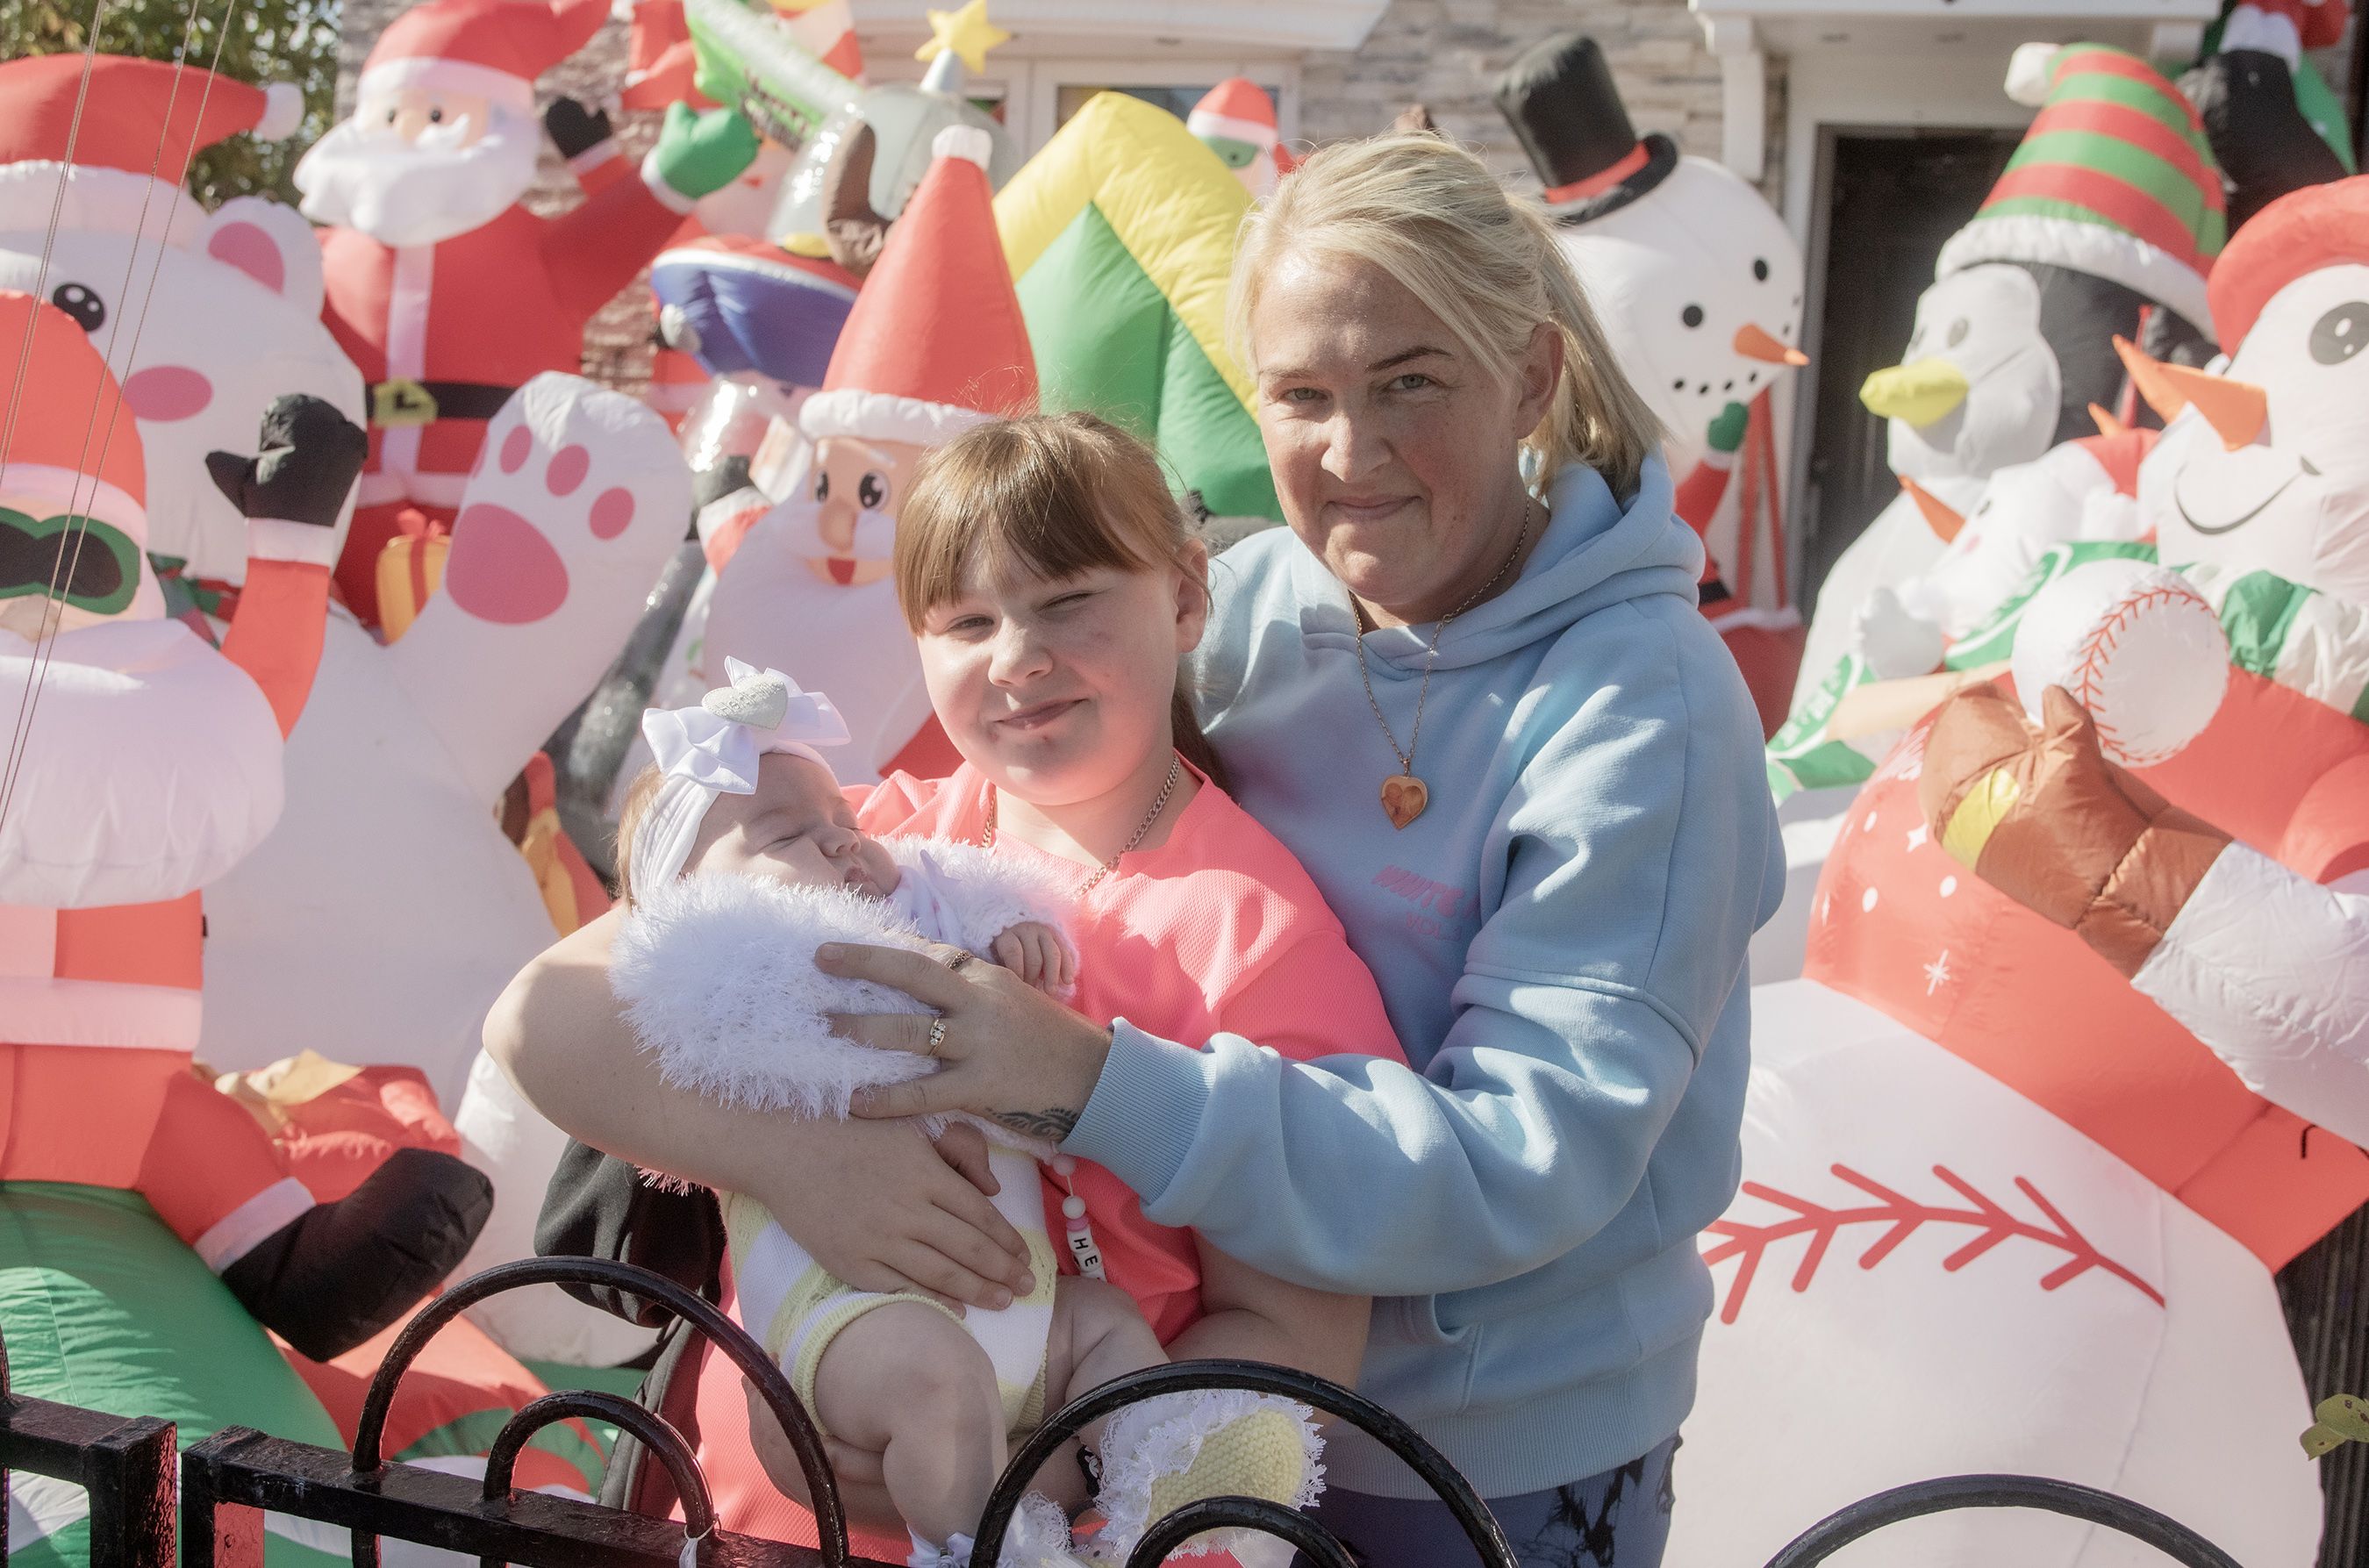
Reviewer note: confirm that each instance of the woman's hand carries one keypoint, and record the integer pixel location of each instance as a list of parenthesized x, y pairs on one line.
[(1008, 1052), (875, 1208)]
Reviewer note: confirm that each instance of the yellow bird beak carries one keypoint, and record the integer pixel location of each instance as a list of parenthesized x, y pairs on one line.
[(1920, 393)]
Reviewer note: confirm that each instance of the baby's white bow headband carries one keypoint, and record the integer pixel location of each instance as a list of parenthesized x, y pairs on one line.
[(713, 750)]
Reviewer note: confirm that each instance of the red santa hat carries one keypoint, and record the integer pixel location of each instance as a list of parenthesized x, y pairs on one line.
[(935, 343), (2319, 225), (137, 116), (493, 48), (1239, 109), (68, 422)]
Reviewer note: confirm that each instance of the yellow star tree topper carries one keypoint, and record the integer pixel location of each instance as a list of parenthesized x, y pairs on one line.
[(966, 33)]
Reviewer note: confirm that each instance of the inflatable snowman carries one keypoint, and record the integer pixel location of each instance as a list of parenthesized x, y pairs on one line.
[(2024, 1147), (221, 313), (1699, 289)]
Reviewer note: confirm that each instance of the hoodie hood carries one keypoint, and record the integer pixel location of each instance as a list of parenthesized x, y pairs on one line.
[(1594, 553)]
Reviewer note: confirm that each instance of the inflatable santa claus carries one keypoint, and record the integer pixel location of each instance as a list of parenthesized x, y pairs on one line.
[(146, 766), (1698, 286), (205, 318), (442, 287), (2088, 979), (935, 343)]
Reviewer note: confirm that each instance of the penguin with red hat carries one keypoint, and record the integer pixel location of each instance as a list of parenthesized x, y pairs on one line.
[(153, 764), (442, 287)]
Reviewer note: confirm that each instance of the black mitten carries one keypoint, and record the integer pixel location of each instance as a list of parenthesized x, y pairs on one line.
[(309, 458), (575, 127)]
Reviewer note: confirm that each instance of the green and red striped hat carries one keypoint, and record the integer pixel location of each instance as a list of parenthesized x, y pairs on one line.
[(2114, 178)]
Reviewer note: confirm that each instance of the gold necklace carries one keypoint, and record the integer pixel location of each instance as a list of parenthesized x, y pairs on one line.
[(1403, 795), (1159, 805)]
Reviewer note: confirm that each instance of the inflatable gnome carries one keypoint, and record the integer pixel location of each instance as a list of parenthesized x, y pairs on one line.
[(1699, 288), (934, 344), (2105, 221), (149, 764), (1236, 120), (221, 311), (442, 287), (2025, 1149), (2249, 91)]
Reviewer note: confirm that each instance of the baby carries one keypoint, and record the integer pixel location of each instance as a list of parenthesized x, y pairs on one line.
[(741, 856)]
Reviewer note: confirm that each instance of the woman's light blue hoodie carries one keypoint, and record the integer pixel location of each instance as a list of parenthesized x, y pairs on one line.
[(1559, 940)]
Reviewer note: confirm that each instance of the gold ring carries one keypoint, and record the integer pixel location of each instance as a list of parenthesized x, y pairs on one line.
[(937, 1034), (954, 963)]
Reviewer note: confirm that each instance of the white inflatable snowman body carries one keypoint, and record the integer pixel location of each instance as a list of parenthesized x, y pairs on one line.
[(2013, 1199)]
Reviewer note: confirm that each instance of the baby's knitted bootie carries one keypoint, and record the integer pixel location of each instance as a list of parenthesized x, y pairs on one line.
[(1179, 1448)]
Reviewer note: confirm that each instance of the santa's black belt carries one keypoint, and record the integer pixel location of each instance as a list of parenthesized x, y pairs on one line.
[(400, 402)]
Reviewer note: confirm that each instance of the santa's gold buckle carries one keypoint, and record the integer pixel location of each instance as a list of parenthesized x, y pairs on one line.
[(401, 404)]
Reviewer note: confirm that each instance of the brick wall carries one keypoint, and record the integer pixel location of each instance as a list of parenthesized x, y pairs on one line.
[(1448, 53)]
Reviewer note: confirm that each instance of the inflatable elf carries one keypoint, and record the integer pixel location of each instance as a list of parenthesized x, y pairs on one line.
[(446, 291)]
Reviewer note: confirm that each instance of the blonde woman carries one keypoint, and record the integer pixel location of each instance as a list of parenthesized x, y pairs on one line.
[(1469, 690)]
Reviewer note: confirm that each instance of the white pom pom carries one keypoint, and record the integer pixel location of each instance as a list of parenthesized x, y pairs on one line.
[(2029, 73), (283, 111), (2135, 644), (968, 142)]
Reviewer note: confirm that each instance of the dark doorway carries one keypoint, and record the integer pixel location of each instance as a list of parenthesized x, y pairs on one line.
[(1895, 196)]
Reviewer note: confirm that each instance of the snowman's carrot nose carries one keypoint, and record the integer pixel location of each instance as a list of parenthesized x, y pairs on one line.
[(2235, 409), (1943, 518), (2147, 374), (1755, 344)]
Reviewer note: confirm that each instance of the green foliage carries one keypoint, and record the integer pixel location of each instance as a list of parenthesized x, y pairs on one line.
[(260, 40)]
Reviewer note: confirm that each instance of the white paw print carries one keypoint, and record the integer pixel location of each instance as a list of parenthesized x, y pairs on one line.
[(567, 469)]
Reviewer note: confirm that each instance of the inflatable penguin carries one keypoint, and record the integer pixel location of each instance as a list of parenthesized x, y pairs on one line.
[(1699, 288), (2079, 1060), (2104, 223)]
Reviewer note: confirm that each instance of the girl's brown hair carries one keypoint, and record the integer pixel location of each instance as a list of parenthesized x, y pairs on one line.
[(1060, 494)]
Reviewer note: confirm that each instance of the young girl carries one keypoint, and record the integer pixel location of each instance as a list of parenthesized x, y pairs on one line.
[(739, 857), (1053, 586)]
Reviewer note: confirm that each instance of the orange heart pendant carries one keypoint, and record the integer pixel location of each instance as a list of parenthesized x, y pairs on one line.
[(1404, 798)]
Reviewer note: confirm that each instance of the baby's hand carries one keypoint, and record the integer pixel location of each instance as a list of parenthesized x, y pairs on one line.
[(1035, 952)]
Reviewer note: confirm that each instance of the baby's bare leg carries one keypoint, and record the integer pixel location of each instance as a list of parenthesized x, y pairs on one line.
[(907, 1383), (1098, 1333)]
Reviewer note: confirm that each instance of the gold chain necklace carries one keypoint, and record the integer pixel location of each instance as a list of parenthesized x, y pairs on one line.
[(1403, 795), (1159, 805)]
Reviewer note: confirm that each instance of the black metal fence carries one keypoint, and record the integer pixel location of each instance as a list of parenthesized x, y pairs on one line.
[(228, 1482)]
